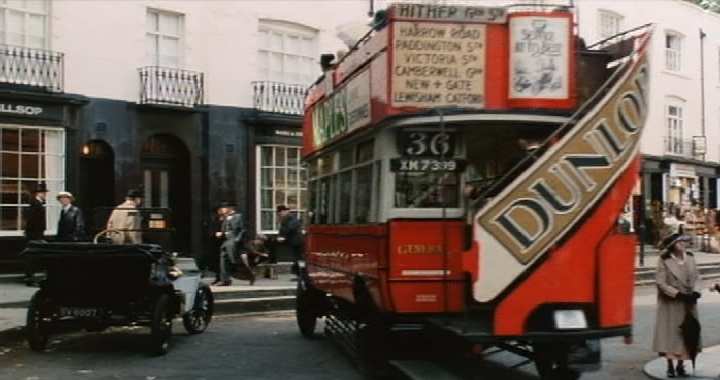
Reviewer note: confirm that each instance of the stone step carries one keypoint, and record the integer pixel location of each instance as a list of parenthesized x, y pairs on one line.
[(253, 305), (252, 294)]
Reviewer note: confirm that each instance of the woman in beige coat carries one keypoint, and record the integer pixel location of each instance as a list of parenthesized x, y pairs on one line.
[(679, 287)]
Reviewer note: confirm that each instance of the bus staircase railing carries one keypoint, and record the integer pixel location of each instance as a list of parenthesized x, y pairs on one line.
[(620, 47), (615, 45)]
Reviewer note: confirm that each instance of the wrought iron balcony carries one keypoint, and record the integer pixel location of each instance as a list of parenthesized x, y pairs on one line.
[(279, 97), (32, 68), (678, 147), (170, 86)]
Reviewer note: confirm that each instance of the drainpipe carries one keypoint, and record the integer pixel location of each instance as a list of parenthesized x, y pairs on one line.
[(705, 183), (702, 79)]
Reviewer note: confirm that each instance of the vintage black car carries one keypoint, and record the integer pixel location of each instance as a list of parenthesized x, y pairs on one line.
[(99, 285)]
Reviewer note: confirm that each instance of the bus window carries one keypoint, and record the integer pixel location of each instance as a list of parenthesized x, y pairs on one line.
[(346, 193), (363, 193), (426, 190)]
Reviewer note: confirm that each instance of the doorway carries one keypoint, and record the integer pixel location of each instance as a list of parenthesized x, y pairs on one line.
[(165, 165), (97, 183)]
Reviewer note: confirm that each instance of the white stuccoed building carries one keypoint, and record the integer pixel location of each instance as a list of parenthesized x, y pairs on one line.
[(196, 102)]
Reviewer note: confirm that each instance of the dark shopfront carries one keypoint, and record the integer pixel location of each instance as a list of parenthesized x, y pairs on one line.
[(159, 149), (38, 143), (278, 175)]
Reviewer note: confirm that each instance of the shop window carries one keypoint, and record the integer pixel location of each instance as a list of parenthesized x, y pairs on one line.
[(287, 52), (29, 156), (164, 38), (24, 23), (283, 181)]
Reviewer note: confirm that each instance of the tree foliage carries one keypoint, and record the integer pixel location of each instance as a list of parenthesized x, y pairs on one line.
[(711, 5)]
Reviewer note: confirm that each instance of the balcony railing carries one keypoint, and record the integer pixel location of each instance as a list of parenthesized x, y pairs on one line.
[(279, 97), (33, 68), (678, 147), (170, 86)]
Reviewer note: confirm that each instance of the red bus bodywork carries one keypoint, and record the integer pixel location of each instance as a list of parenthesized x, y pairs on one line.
[(430, 266)]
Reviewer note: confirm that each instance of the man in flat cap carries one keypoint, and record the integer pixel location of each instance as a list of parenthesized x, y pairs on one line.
[(71, 226), (126, 220)]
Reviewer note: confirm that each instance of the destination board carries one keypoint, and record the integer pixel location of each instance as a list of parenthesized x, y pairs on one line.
[(436, 65)]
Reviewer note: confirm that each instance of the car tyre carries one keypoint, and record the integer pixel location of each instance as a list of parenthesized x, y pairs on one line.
[(161, 325), (198, 318), (36, 327)]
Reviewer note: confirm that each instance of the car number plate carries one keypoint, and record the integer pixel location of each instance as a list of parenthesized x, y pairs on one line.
[(79, 312)]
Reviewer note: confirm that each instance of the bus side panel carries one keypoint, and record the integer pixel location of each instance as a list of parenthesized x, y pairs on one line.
[(336, 255), (417, 266), (616, 263), (569, 273)]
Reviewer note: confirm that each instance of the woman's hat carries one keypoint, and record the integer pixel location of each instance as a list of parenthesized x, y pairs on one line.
[(65, 194), (282, 208), (41, 188), (669, 241)]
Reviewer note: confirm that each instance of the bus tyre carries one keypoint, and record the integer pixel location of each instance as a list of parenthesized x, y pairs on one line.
[(161, 325), (306, 314), (373, 357), (36, 329), (552, 363)]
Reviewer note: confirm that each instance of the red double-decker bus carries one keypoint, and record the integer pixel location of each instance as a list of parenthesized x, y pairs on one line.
[(467, 168)]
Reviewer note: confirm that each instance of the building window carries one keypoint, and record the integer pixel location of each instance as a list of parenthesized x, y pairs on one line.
[(283, 181), (673, 52), (30, 156), (610, 24), (164, 38), (674, 117), (24, 23), (287, 52)]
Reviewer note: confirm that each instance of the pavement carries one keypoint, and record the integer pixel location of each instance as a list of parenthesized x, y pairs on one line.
[(707, 366)]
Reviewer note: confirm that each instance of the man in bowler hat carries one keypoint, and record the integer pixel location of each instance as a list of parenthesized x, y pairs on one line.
[(233, 231), (71, 226), (35, 225)]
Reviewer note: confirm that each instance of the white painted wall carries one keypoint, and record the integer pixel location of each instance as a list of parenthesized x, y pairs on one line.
[(104, 41), (686, 19)]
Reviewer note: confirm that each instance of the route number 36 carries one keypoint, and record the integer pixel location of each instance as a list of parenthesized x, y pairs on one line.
[(427, 144)]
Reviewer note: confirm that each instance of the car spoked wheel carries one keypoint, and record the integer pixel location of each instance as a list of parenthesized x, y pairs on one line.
[(37, 322), (161, 328), (198, 318)]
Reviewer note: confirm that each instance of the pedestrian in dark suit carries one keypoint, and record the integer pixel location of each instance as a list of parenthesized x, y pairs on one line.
[(71, 226), (35, 225), (291, 234), (233, 231)]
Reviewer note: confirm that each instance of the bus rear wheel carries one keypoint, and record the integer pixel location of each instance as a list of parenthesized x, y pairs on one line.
[(552, 363)]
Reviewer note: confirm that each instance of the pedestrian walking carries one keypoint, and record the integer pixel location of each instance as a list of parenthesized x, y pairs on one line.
[(290, 233), (216, 238), (126, 221), (679, 285), (71, 226), (233, 232), (35, 225)]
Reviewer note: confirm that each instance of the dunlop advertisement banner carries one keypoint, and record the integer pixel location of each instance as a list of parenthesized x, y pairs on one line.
[(544, 203)]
